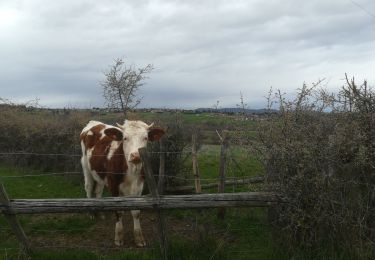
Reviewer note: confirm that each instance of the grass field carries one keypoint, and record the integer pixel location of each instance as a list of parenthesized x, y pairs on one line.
[(193, 234)]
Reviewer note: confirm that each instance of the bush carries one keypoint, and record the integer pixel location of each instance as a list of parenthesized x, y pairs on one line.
[(175, 141), (319, 154), (30, 136)]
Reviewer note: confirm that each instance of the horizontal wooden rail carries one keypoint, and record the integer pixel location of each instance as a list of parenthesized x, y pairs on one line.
[(36, 206)]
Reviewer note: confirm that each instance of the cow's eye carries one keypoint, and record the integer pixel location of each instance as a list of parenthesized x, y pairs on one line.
[(125, 138), (146, 138)]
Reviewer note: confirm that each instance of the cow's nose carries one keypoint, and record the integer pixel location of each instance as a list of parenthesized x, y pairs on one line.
[(135, 158)]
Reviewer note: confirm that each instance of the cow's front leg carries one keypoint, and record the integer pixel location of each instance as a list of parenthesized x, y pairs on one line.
[(119, 230), (98, 194), (138, 236), (136, 190)]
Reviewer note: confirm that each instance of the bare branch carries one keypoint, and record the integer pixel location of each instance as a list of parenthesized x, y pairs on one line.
[(122, 83)]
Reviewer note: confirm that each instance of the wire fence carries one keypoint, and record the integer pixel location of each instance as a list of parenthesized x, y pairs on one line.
[(187, 227), (47, 174), (191, 226), (190, 229), (235, 172)]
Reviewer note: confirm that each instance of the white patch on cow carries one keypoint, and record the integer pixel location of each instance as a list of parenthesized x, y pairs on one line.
[(119, 232), (89, 155), (102, 134), (124, 189), (133, 186), (90, 133), (134, 170), (135, 137), (83, 147), (90, 125), (112, 149), (97, 178)]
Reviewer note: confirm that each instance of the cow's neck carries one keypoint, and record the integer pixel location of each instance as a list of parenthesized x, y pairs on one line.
[(134, 169)]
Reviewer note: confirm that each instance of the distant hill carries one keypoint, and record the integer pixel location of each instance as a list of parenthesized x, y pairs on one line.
[(235, 110)]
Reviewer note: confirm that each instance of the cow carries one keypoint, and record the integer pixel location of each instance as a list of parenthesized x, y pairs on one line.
[(110, 158)]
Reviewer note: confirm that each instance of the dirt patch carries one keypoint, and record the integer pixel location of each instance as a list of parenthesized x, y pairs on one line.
[(98, 235)]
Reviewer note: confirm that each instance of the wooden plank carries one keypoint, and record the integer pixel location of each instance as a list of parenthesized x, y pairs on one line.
[(197, 180), (161, 183), (155, 194), (222, 171), (162, 232), (12, 219), (148, 173), (215, 200)]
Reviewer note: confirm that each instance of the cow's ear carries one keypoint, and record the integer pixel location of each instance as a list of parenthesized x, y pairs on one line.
[(113, 133), (155, 134)]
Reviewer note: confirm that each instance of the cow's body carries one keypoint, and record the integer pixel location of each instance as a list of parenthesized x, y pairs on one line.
[(110, 158)]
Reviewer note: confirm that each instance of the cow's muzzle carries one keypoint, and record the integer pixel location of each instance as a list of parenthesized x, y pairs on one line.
[(135, 158)]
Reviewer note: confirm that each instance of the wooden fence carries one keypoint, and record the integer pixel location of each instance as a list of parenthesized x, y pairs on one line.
[(214, 200), (11, 207)]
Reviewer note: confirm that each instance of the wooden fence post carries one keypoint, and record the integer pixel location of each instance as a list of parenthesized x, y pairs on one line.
[(11, 217), (198, 188), (161, 183), (155, 194), (222, 170)]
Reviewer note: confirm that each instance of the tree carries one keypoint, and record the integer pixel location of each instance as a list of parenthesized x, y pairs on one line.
[(121, 84), (243, 106), (216, 106)]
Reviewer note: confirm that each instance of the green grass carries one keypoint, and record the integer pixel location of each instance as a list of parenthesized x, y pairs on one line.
[(82, 254), (243, 234), (240, 163), (72, 224), (39, 187)]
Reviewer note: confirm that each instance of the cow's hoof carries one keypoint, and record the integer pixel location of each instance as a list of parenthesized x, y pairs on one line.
[(119, 242), (140, 243), (139, 240)]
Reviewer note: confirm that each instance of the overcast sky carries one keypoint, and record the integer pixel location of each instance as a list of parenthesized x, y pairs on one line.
[(202, 50)]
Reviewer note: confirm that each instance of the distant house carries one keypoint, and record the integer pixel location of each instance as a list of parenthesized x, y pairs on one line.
[(159, 111)]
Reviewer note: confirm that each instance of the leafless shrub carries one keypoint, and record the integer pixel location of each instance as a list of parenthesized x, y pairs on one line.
[(121, 84), (319, 153)]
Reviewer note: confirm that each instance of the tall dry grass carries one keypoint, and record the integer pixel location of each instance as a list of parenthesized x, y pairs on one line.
[(39, 138)]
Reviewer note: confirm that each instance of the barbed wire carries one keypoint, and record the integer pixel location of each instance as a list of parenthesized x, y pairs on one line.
[(80, 155), (155, 175), (243, 178), (187, 151), (106, 247)]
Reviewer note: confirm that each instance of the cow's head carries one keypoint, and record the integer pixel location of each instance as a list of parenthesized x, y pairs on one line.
[(135, 135)]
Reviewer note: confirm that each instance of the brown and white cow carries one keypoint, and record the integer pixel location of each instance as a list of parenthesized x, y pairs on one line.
[(110, 158)]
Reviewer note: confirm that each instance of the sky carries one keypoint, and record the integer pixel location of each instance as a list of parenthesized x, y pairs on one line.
[(202, 50)]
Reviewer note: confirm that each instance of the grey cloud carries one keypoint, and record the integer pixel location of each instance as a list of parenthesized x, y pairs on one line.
[(202, 50)]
